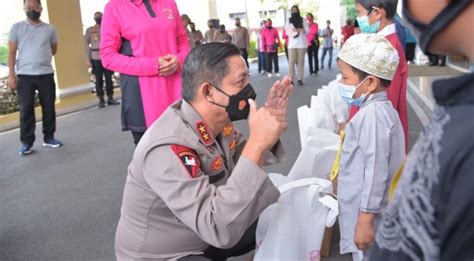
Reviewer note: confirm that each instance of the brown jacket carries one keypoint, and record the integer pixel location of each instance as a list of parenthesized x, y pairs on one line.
[(186, 189)]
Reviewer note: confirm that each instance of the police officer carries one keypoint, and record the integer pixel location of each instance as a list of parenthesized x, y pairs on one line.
[(195, 186), (92, 39)]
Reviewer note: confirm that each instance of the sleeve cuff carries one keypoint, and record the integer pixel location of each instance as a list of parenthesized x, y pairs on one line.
[(275, 155)]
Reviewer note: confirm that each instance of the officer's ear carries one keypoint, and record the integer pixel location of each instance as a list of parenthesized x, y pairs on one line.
[(205, 90)]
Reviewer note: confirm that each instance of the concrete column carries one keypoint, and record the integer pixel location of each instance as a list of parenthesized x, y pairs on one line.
[(71, 71)]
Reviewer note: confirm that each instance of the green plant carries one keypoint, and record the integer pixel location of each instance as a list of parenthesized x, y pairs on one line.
[(253, 48), (351, 11), (9, 99), (3, 54)]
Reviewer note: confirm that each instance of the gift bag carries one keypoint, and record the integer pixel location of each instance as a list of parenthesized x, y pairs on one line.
[(293, 228)]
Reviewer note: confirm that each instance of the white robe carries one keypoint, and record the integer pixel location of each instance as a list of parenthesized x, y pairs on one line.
[(373, 149)]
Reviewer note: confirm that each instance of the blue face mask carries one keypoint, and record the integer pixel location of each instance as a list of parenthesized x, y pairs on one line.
[(347, 93), (366, 27)]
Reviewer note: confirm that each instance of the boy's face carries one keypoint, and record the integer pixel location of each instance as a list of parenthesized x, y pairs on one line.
[(374, 15), (349, 77)]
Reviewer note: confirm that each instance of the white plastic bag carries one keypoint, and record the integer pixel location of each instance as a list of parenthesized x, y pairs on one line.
[(293, 228)]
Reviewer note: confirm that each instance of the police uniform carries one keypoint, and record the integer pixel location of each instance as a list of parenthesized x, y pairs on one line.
[(187, 190)]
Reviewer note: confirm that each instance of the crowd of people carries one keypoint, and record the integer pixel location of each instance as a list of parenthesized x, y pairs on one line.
[(195, 186)]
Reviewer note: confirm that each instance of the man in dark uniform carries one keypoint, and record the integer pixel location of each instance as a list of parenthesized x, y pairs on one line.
[(195, 184)]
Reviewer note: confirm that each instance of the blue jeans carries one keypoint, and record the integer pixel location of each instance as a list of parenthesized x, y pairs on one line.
[(325, 50)]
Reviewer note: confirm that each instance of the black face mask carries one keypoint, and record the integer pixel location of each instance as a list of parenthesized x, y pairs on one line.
[(33, 15), (239, 107), (425, 33), (98, 20)]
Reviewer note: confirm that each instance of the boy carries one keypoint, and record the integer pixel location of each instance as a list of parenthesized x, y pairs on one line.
[(373, 146), (377, 16)]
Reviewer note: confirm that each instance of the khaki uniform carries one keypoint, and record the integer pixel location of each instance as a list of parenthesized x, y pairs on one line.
[(186, 189), (92, 41)]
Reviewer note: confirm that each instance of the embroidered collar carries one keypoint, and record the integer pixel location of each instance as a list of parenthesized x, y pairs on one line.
[(197, 123), (388, 30)]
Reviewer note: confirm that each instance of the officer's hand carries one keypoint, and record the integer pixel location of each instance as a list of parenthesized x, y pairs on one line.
[(278, 95), (12, 82), (266, 125)]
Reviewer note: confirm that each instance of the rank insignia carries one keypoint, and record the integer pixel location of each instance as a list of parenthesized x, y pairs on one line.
[(204, 133), (242, 104), (228, 129), (217, 164), (232, 144), (188, 158)]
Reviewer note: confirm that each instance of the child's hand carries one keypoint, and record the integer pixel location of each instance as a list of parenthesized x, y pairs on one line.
[(364, 231)]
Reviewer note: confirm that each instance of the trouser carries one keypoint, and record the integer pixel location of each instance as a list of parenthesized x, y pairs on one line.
[(296, 56), (137, 136), (325, 50), (261, 62), (410, 51), (286, 52), (313, 56), (46, 87), (99, 72), (269, 58), (245, 55), (245, 245)]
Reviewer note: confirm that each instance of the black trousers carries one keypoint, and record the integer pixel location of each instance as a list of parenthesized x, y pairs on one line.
[(269, 58), (410, 51), (313, 57), (245, 55), (27, 85), (99, 72), (137, 136), (245, 245)]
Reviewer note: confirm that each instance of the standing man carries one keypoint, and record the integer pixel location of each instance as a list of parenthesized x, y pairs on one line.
[(92, 39), (36, 42), (327, 44), (209, 34), (195, 186), (347, 31), (222, 36), (196, 35), (241, 39)]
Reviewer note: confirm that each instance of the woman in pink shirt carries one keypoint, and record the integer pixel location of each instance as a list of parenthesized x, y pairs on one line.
[(313, 45), (145, 41), (271, 43)]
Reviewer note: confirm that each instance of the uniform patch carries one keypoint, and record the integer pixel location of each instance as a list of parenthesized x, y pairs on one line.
[(242, 104), (189, 159), (228, 129), (217, 164), (204, 133), (232, 144)]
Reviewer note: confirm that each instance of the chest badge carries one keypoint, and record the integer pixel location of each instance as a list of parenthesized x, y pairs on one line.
[(217, 164), (168, 13), (232, 144), (228, 129)]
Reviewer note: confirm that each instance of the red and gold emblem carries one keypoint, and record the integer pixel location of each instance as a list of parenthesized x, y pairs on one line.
[(204, 134), (188, 158)]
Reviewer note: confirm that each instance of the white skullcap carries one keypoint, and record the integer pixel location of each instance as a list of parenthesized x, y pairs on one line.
[(371, 53)]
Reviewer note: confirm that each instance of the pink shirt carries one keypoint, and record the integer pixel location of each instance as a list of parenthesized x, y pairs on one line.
[(313, 32), (269, 38), (150, 38)]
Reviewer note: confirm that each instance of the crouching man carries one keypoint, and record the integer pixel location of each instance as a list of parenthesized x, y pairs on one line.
[(195, 186)]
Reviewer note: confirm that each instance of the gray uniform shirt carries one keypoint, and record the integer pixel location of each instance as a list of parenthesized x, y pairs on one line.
[(34, 47), (373, 149), (327, 40), (241, 38), (186, 189)]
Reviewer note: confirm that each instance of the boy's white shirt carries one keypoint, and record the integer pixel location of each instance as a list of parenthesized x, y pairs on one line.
[(372, 151), (388, 30)]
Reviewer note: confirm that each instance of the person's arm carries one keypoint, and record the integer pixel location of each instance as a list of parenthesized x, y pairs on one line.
[(110, 44), (12, 50), (247, 38), (218, 215), (54, 40)]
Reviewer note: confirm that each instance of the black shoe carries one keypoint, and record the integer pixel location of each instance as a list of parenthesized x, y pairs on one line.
[(442, 64), (433, 64), (300, 83), (101, 102), (112, 101)]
